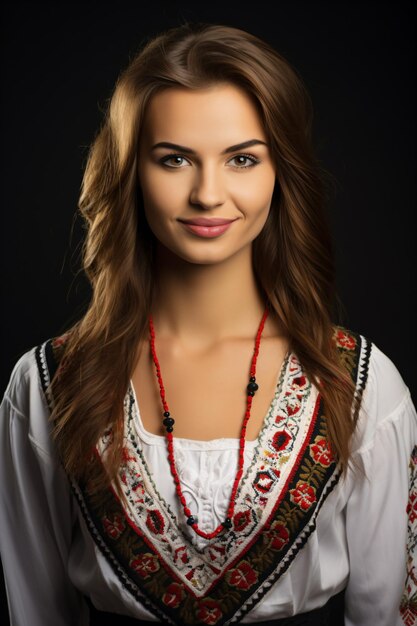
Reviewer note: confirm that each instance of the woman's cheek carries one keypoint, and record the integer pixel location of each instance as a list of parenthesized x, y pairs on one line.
[(253, 201), (169, 192)]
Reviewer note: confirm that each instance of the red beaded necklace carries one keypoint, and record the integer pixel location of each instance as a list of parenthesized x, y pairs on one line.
[(168, 422)]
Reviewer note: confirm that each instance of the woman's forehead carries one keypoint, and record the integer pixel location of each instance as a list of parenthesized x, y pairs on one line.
[(186, 116)]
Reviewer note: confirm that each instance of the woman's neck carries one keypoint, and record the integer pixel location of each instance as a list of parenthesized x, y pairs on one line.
[(201, 305)]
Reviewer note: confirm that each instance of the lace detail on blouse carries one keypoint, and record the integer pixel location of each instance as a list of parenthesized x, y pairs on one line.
[(206, 470)]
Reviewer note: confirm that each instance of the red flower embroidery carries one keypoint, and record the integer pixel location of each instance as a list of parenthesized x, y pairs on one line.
[(173, 595), (345, 341), (300, 382), (209, 612), (181, 553), (263, 482), (278, 535), (280, 419), (281, 440), (242, 576), (241, 520), (304, 495), (321, 452), (145, 564), (155, 522), (293, 409), (114, 526), (412, 507)]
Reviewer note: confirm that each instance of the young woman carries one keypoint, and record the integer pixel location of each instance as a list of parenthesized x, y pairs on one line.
[(206, 445)]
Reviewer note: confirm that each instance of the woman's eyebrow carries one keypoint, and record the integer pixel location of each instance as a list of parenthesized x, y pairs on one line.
[(238, 146)]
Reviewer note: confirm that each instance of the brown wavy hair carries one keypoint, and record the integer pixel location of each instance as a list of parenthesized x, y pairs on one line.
[(292, 256)]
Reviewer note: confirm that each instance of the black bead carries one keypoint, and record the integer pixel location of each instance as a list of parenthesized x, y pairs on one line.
[(252, 387), (166, 414), (169, 429), (168, 421), (252, 379), (227, 523), (191, 520)]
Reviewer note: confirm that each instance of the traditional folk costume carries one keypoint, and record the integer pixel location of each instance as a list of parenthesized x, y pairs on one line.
[(302, 537)]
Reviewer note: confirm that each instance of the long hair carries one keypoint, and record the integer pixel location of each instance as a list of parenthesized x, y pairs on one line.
[(292, 256)]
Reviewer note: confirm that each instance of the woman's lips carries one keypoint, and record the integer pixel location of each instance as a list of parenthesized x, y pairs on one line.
[(207, 231)]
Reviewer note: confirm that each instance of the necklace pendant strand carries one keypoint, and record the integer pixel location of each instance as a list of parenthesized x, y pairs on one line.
[(169, 422)]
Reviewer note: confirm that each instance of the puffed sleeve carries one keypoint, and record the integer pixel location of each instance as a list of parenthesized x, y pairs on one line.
[(36, 510), (379, 489)]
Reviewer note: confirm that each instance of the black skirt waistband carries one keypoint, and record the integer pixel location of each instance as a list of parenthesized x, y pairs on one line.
[(331, 614)]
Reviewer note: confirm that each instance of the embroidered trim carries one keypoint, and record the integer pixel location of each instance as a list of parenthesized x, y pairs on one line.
[(301, 541), (125, 580), (408, 606), (48, 356), (277, 506), (269, 551), (286, 432), (43, 371)]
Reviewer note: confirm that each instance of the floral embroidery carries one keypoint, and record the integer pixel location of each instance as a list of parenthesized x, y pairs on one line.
[(181, 553), (279, 535), (321, 452), (294, 408), (281, 440), (173, 595), (145, 564), (264, 481), (300, 382), (285, 455), (289, 478), (304, 495), (345, 340), (155, 522), (408, 606), (241, 519), (114, 526), (209, 612), (243, 576), (348, 345)]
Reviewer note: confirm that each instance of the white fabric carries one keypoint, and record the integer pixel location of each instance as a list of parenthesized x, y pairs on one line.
[(50, 559)]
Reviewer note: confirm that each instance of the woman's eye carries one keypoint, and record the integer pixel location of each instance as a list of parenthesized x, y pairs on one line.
[(241, 161), (244, 160), (173, 160)]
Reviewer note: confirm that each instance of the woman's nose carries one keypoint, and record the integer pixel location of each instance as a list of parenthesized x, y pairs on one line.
[(208, 188)]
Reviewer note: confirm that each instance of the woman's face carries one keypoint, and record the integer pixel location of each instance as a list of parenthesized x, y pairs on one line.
[(208, 171)]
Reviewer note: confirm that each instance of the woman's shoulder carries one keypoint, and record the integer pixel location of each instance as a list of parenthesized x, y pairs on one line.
[(23, 381), (373, 367), (385, 381), (385, 397), (36, 364), (25, 395)]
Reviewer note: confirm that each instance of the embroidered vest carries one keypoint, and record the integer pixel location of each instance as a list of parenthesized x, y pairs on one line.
[(281, 493)]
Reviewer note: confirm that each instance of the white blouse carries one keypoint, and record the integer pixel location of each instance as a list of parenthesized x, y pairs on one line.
[(50, 560)]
